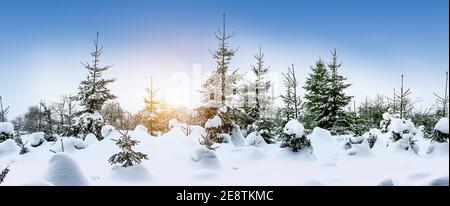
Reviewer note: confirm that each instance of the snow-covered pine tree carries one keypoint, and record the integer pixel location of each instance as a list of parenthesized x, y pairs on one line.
[(48, 122), (127, 157), (218, 89), (337, 99), (405, 103), (294, 136), (151, 109), (316, 96), (23, 148), (93, 93), (3, 174), (260, 100), (292, 98), (3, 111), (442, 101)]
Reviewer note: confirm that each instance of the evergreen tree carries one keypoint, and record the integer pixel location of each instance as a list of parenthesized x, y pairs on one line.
[(405, 103), (337, 99), (3, 111), (93, 93), (292, 100), (442, 101), (220, 86), (47, 122), (152, 107), (127, 157), (23, 148), (316, 95), (260, 87)]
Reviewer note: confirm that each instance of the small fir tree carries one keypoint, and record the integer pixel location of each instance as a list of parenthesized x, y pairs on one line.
[(127, 157)]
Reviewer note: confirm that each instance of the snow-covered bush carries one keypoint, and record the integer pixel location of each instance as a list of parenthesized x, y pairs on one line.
[(254, 139), (6, 131), (90, 139), (294, 136), (107, 130), (127, 157), (215, 122), (88, 123), (36, 139), (438, 149), (236, 136), (173, 123), (385, 122), (265, 128), (23, 148), (64, 171), (8, 147), (440, 133), (205, 158)]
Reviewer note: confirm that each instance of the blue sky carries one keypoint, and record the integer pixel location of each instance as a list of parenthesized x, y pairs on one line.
[(43, 42)]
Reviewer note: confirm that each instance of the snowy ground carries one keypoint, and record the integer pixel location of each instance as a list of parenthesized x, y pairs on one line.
[(171, 163)]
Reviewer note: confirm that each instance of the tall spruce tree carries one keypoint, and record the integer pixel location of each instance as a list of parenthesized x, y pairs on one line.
[(337, 99), (292, 100), (3, 111), (316, 95), (442, 101), (260, 87), (93, 93), (405, 107), (220, 86)]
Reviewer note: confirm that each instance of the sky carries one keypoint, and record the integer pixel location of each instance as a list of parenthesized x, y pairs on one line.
[(43, 42)]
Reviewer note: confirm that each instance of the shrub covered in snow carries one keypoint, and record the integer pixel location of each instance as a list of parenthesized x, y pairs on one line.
[(385, 122), (64, 171), (440, 133), (8, 147), (213, 123), (205, 158), (254, 139), (127, 157), (236, 136), (294, 136), (90, 139), (23, 148), (88, 123), (6, 131), (107, 130), (36, 139)]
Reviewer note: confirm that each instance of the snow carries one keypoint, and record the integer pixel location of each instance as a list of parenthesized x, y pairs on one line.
[(8, 128), (324, 146), (36, 139), (387, 116), (90, 139), (177, 159), (141, 128), (107, 130), (254, 139), (173, 123), (293, 127), (213, 123), (442, 125), (64, 171), (236, 136), (397, 126), (8, 146)]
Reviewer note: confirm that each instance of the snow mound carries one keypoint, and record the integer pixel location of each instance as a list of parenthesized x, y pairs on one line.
[(213, 123), (387, 116), (254, 139), (38, 183), (140, 127), (107, 130), (360, 150), (236, 136), (386, 182), (324, 146), (442, 125), (90, 139), (134, 173), (78, 143), (293, 127), (397, 126), (226, 138), (8, 146), (173, 123), (36, 139), (205, 158), (401, 146), (438, 149), (8, 128), (442, 181), (64, 171)]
